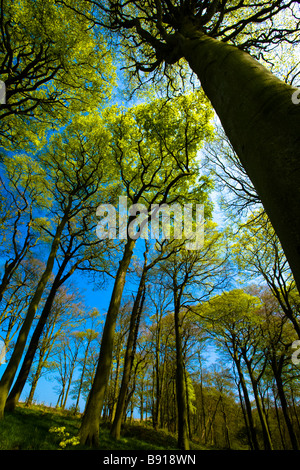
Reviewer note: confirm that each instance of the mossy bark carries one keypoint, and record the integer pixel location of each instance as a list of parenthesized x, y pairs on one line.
[(89, 430), (262, 123)]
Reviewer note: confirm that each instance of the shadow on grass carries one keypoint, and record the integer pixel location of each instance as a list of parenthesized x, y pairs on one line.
[(28, 429)]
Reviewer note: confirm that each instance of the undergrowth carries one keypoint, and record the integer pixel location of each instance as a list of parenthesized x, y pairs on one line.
[(44, 428)]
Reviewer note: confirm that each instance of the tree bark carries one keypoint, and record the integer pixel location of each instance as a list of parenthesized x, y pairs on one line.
[(129, 355), (252, 430), (158, 381), (265, 428), (89, 430), (183, 441), (277, 369), (19, 384), (72, 368), (34, 385), (82, 373), (262, 124)]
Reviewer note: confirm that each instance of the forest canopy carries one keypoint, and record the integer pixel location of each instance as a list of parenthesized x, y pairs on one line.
[(149, 212)]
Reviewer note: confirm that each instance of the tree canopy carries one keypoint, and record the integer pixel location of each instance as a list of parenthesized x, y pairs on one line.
[(149, 215)]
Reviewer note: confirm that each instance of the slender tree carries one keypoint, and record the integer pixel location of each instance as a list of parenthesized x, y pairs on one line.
[(78, 250), (259, 253), (75, 177), (155, 148), (229, 318), (189, 276), (133, 332)]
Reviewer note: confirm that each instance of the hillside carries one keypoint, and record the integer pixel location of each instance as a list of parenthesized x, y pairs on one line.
[(43, 428)]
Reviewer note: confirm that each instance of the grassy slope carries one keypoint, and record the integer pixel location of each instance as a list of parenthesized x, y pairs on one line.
[(28, 429)]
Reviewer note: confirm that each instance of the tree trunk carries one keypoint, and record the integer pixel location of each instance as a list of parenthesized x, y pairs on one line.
[(82, 374), (158, 382), (64, 401), (129, 355), (183, 441), (33, 386), (12, 366), (114, 400), (43, 355), (265, 428), (279, 423), (226, 428), (16, 391), (252, 430), (89, 430), (262, 124), (284, 405)]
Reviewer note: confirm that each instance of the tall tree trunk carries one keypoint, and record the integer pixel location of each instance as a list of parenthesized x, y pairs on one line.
[(82, 374), (34, 385), (279, 423), (43, 356), (283, 402), (129, 355), (17, 389), (12, 366), (158, 382), (226, 428), (72, 368), (19, 384), (183, 441), (265, 428), (252, 430), (245, 417), (89, 430), (211, 421), (262, 123)]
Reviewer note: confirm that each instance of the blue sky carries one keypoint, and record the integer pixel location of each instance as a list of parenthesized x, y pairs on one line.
[(98, 298)]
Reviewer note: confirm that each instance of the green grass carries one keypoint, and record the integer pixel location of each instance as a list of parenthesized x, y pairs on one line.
[(28, 429)]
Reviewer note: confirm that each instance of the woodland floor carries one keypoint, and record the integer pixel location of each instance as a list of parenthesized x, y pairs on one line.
[(28, 429)]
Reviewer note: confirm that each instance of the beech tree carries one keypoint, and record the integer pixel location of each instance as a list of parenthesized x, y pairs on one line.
[(78, 250), (69, 174), (52, 65), (228, 318), (20, 198), (155, 147), (221, 42), (277, 335), (62, 315), (164, 252), (191, 276), (258, 252)]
